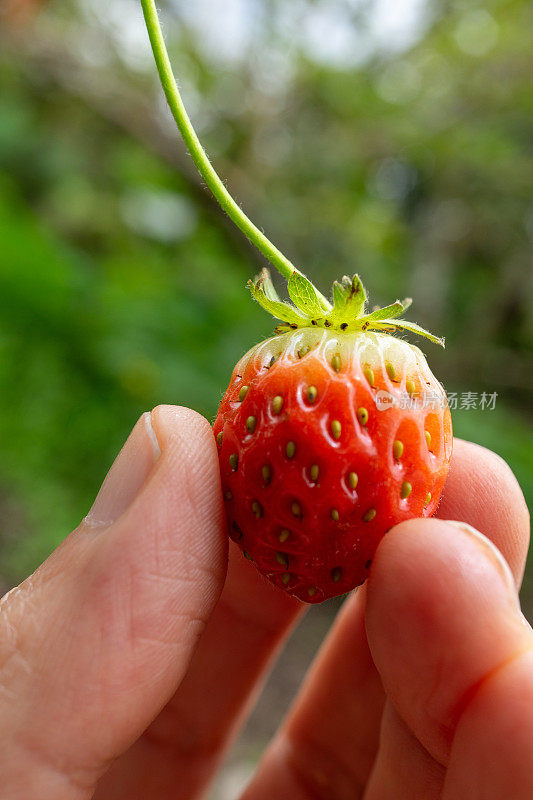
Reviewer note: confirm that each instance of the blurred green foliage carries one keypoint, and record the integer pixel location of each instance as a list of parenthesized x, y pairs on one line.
[(122, 287)]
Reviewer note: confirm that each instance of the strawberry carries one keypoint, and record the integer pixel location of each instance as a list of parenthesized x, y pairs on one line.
[(330, 432), (329, 435)]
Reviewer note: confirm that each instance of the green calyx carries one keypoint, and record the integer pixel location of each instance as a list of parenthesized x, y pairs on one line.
[(347, 312), (311, 308)]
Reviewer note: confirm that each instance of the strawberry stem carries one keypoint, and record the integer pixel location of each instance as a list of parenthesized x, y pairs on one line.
[(310, 305), (199, 156)]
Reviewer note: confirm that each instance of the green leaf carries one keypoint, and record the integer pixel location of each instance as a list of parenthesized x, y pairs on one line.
[(305, 296), (403, 325), (277, 308)]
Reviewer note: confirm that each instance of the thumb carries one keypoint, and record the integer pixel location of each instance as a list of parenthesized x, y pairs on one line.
[(95, 642)]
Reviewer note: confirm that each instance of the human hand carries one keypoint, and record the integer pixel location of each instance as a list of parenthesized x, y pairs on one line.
[(128, 661)]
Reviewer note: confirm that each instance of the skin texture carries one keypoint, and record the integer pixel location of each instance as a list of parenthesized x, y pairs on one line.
[(315, 470), (129, 660)]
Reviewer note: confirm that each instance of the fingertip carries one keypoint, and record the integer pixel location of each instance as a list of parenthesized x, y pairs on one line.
[(482, 490), (166, 556), (171, 440), (126, 477), (430, 551), (181, 427), (495, 481), (190, 457)]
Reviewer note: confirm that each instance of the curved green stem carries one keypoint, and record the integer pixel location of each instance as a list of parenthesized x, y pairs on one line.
[(199, 156), (310, 304)]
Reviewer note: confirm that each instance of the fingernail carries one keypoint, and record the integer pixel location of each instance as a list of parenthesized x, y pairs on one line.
[(127, 476), (491, 552)]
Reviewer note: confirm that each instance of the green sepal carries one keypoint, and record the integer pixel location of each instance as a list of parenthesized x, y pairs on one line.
[(349, 298), (305, 297), (349, 301), (390, 325), (263, 291), (389, 312), (340, 295), (268, 287), (345, 289)]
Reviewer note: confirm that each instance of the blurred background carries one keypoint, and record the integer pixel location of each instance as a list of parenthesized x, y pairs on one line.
[(388, 137)]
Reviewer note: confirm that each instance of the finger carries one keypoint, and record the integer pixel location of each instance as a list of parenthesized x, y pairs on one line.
[(314, 740), (181, 749), (403, 768), (492, 753), (481, 489), (327, 745), (96, 641), (442, 619)]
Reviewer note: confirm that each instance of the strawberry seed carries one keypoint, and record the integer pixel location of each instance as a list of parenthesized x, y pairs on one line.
[(336, 574), (397, 449), (336, 429), (406, 490), (296, 509), (391, 372), (277, 404), (362, 415), (369, 375)]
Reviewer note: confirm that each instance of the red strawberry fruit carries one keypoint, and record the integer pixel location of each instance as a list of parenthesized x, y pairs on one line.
[(330, 432)]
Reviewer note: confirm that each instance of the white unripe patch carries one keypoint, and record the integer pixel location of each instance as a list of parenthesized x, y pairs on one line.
[(369, 349)]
